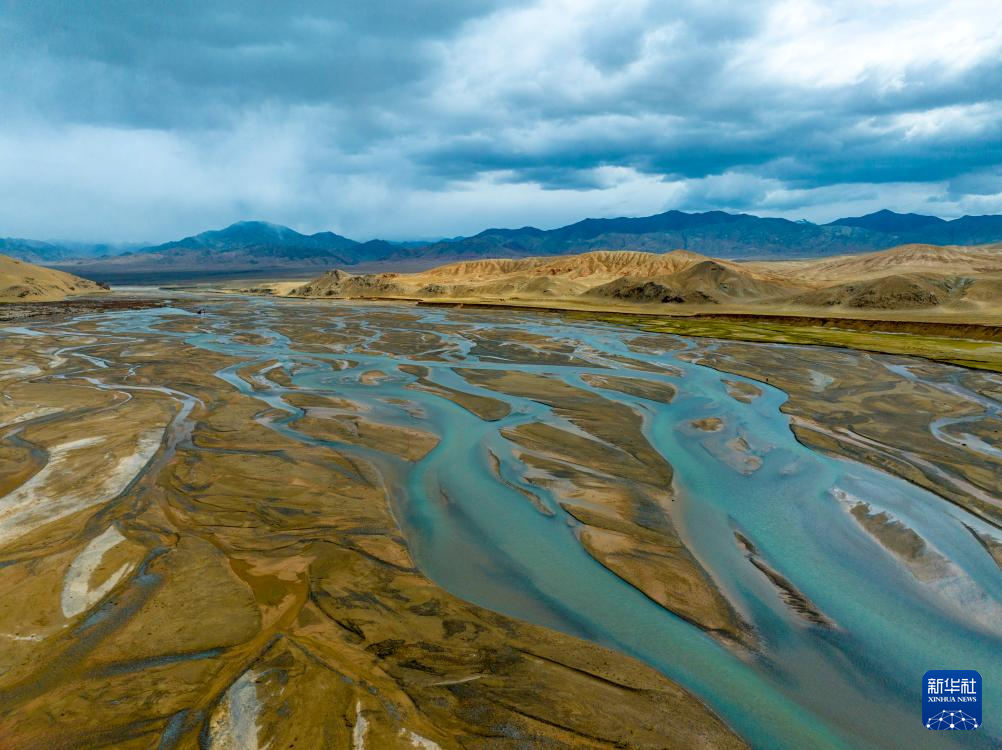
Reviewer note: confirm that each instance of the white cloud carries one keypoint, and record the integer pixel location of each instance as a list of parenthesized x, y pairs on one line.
[(955, 122), (811, 44)]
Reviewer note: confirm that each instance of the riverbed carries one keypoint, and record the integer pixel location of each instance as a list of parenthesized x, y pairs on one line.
[(771, 522)]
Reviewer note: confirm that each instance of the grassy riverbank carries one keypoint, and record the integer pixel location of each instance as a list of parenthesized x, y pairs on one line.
[(966, 344)]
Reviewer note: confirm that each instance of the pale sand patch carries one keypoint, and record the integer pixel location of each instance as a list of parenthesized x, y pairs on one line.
[(820, 381), (360, 730), (925, 562), (418, 741), (234, 722), (39, 501), (26, 371), (31, 638), (78, 596), (42, 411)]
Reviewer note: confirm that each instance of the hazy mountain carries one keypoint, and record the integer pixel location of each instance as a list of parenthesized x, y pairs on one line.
[(259, 248), (38, 251), (244, 248), (33, 251), (248, 235), (373, 250)]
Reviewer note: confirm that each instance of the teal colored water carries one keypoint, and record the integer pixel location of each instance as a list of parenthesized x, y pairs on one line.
[(855, 686)]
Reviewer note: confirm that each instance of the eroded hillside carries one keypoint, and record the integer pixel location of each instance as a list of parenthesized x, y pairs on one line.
[(910, 277)]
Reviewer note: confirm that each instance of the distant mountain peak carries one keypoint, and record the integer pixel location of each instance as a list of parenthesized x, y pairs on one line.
[(251, 234), (253, 228), (889, 222), (261, 226)]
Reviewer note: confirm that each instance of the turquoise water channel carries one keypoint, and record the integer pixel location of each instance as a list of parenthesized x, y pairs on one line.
[(856, 685)]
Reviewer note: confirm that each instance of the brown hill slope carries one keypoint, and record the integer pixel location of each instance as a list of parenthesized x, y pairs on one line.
[(21, 281), (893, 292), (910, 277), (560, 277), (704, 282), (920, 259), (593, 267), (338, 283)]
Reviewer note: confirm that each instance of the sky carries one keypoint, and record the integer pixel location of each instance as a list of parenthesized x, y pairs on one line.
[(415, 119)]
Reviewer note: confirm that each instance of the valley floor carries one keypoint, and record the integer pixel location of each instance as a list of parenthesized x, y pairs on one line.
[(246, 521)]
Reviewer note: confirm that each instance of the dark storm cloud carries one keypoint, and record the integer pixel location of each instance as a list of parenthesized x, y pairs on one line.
[(150, 119), (160, 64)]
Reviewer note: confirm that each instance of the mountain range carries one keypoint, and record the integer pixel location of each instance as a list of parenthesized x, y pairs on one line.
[(38, 251), (251, 248), (724, 235)]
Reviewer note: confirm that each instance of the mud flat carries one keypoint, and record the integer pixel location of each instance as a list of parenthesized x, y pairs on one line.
[(484, 407), (62, 309), (741, 391), (660, 392)]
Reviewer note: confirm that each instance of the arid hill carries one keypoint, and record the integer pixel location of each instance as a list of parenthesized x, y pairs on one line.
[(910, 277), (21, 281), (936, 259)]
